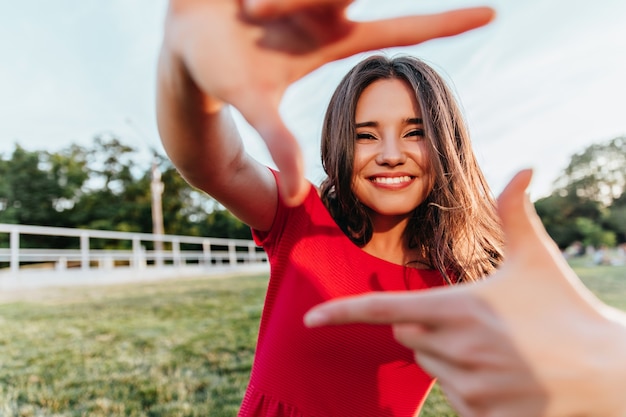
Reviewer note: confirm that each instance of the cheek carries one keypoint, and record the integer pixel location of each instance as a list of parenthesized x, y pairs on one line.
[(422, 158), (360, 156), (424, 161), (359, 163)]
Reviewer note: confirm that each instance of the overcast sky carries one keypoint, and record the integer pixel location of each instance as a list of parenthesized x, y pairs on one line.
[(543, 81)]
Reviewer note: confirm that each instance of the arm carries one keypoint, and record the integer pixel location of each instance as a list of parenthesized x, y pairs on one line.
[(212, 55), (196, 127), (531, 340)]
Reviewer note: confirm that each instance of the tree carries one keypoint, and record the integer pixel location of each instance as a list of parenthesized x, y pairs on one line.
[(593, 234), (37, 187), (616, 218), (559, 213), (598, 173), (587, 197), (103, 187), (69, 168), (34, 186), (221, 223)]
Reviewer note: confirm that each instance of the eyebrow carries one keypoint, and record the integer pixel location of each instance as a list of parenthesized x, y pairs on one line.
[(409, 121)]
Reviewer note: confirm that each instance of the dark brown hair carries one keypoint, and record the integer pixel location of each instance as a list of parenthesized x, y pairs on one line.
[(456, 227)]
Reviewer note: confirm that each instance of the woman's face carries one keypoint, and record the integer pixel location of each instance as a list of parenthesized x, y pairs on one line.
[(392, 173)]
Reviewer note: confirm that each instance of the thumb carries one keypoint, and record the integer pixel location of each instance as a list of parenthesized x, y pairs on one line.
[(520, 223), (534, 265), (283, 148), (527, 241)]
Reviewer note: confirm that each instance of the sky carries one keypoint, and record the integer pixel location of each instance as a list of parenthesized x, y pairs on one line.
[(542, 82)]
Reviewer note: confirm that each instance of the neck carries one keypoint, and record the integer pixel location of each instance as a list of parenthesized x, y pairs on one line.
[(388, 241)]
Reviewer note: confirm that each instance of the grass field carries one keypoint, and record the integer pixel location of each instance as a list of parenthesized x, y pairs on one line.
[(172, 348)]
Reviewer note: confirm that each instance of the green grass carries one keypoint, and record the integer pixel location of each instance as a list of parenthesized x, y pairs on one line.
[(607, 282), (179, 348), (172, 348)]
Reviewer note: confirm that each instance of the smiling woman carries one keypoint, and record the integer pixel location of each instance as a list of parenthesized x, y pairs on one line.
[(404, 206), (403, 182)]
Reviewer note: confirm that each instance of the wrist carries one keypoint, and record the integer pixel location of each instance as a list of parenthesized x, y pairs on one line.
[(620, 356), (612, 373)]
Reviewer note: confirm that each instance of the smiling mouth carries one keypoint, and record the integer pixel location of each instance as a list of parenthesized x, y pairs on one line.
[(391, 180)]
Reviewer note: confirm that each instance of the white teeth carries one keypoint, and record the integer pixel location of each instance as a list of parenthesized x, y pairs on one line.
[(391, 180)]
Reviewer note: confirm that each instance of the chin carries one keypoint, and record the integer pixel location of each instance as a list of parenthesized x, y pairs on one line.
[(395, 211)]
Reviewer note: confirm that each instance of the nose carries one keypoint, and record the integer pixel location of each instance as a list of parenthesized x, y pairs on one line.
[(391, 152)]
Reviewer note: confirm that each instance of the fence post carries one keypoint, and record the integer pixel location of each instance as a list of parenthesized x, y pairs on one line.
[(84, 251), (206, 252), (251, 252), (232, 253), (61, 264), (137, 263), (176, 251), (15, 250), (158, 251)]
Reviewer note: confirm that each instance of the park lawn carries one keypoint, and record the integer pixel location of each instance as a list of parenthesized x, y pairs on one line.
[(171, 348), (607, 282), (175, 348)]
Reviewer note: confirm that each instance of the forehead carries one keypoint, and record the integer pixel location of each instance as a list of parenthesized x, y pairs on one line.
[(387, 99)]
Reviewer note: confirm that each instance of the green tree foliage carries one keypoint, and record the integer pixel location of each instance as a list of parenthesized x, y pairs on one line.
[(104, 187), (593, 233), (553, 214), (113, 198), (223, 224), (37, 188), (560, 211), (588, 202), (598, 173), (616, 219), (32, 188)]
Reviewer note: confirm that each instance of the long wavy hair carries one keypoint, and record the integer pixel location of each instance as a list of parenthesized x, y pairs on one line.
[(456, 227)]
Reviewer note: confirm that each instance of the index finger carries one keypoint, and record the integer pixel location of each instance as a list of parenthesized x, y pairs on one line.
[(429, 308), (269, 9), (409, 30), (262, 114)]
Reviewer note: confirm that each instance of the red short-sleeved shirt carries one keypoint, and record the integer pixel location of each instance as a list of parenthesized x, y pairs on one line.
[(342, 371)]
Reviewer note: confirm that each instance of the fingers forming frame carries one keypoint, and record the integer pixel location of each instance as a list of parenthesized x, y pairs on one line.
[(409, 30), (427, 308)]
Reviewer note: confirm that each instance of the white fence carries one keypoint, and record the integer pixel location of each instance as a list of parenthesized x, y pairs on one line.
[(147, 251)]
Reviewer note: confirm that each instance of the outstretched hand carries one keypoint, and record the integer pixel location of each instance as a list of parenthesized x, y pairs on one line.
[(248, 56), (530, 340)]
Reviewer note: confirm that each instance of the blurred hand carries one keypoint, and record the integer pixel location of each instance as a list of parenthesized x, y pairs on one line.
[(249, 59), (529, 341)]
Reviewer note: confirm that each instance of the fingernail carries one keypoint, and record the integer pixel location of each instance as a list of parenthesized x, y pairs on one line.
[(314, 319), (257, 8)]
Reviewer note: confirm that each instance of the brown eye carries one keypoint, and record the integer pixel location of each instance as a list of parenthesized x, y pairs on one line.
[(365, 136), (416, 132)]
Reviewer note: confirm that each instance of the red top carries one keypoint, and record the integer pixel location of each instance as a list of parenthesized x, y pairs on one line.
[(342, 371)]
